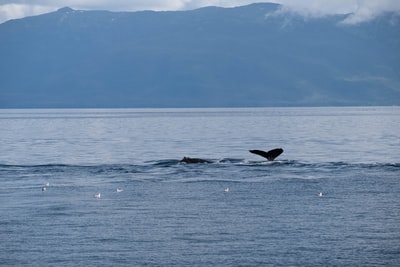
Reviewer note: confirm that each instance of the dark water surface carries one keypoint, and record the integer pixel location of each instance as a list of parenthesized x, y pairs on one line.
[(175, 214)]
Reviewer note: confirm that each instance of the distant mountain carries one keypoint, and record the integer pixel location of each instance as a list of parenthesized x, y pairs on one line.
[(208, 57)]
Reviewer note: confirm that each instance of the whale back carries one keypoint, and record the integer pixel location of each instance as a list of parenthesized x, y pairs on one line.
[(194, 160)]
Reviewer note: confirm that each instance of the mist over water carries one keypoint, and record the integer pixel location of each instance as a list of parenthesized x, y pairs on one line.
[(172, 214)]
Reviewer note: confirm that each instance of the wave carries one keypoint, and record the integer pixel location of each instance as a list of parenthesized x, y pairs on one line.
[(166, 163), (171, 170)]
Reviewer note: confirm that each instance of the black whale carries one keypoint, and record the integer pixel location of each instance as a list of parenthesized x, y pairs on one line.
[(194, 160), (270, 155)]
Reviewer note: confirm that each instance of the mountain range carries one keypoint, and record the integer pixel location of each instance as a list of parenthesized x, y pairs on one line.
[(248, 56)]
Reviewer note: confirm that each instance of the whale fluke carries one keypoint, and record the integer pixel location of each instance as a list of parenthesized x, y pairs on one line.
[(270, 155), (195, 160)]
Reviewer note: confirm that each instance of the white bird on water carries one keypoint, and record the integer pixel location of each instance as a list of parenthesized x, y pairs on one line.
[(98, 195), (44, 188), (226, 190), (119, 190), (320, 194)]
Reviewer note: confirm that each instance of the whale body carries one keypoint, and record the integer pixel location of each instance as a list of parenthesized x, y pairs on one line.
[(270, 155), (194, 160)]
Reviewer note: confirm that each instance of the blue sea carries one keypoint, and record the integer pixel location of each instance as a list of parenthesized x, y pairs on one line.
[(54, 161)]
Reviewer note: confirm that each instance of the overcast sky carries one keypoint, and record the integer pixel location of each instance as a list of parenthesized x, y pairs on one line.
[(362, 9)]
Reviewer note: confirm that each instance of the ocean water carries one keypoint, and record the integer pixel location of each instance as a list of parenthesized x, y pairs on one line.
[(175, 214)]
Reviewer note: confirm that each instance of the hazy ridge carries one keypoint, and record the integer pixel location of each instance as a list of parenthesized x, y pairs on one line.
[(245, 56)]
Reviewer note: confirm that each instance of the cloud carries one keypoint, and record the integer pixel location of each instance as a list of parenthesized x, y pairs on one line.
[(13, 9), (367, 10), (361, 10), (315, 8), (17, 10)]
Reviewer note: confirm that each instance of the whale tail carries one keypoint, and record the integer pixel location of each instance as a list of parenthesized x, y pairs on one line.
[(270, 155)]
